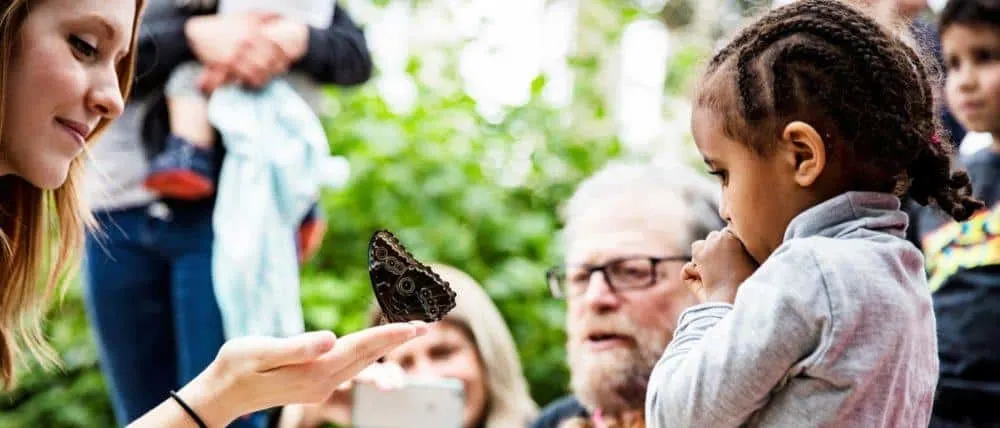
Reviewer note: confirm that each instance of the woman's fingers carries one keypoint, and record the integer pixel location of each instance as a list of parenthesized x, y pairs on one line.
[(358, 350), (370, 342), (273, 352)]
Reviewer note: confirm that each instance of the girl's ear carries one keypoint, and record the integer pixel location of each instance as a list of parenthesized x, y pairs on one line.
[(806, 152)]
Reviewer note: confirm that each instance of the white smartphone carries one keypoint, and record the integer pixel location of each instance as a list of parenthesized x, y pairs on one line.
[(437, 403)]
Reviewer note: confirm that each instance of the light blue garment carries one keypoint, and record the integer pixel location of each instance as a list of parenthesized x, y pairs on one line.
[(277, 159)]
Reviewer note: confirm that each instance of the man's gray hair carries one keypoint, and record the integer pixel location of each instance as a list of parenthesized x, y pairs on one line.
[(668, 182)]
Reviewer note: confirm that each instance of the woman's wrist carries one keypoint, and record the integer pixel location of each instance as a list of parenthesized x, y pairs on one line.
[(210, 396)]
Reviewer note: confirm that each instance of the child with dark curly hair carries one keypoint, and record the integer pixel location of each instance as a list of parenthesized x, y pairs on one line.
[(815, 309)]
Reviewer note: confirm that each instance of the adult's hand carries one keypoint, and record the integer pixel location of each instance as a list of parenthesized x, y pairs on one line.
[(279, 43), (239, 48), (290, 35), (256, 373), (215, 39)]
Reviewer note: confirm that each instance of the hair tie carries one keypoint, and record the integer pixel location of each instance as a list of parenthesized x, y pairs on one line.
[(194, 415), (935, 140)]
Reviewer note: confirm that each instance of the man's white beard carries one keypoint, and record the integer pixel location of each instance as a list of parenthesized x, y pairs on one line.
[(614, 380)]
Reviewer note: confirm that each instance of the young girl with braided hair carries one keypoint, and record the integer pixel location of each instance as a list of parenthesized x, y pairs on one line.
[(815, 309)]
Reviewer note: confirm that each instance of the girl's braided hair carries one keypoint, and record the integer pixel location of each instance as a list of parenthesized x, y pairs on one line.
[(864, 89)]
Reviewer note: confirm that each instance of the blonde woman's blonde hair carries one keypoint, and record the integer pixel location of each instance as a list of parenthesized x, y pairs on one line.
[(509, 403), (41, 231)]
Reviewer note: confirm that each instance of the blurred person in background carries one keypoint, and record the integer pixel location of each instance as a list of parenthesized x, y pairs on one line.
[(148, 276), (963, 258), (471, 344), (627, 232)]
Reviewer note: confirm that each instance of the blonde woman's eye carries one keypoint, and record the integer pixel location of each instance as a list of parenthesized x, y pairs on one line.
[(442, 352), (81, 46)]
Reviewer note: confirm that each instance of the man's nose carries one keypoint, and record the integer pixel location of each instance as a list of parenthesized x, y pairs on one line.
[(599, 294)]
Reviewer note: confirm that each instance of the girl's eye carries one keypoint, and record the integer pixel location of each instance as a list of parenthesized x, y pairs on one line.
[(720, 174), (84, 48)]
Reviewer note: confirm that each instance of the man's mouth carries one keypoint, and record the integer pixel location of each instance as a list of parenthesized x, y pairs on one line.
[(604, 341)]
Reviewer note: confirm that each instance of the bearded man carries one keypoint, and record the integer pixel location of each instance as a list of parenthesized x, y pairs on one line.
[(628, 231)]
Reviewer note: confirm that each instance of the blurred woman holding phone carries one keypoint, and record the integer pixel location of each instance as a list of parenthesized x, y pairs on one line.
[(472, 344)]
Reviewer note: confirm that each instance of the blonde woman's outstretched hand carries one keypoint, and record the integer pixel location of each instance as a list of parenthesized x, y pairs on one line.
[(256, 373)]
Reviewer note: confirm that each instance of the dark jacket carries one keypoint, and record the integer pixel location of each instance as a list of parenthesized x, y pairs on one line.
[(560, 411), (338, 54), (963, 264)]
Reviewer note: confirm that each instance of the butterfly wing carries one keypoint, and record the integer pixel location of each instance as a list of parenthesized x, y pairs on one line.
[(406, 289)]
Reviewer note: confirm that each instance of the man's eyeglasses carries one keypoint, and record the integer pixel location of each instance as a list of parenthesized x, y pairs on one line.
[(627, 273)]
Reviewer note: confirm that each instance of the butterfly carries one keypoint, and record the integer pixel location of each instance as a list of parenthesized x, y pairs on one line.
[(406, 289)]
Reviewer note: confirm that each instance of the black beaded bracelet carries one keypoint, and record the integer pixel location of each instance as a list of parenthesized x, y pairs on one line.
[(189, 410)]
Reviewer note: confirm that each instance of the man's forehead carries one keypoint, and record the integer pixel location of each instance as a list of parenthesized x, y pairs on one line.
[(606, 242)]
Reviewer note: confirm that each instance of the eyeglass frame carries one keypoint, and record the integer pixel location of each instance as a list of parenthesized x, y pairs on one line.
[(552, 274)]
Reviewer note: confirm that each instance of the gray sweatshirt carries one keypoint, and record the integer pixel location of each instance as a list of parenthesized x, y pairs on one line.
[(835, 329)]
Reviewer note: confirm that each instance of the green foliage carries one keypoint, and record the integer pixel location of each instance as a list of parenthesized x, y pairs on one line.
[(684, 66), (72, 395)]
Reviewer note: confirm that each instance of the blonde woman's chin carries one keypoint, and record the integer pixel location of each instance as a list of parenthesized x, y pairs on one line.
[(47, 171), (51, 179)]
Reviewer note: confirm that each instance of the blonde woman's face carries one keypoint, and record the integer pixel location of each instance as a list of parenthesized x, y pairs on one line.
[(447, 352), (61, 82)]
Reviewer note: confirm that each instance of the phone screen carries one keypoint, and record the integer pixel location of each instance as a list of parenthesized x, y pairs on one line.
[(421, 403)]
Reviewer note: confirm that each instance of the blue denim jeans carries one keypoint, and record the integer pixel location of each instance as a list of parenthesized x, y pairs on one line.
[(148, 291)]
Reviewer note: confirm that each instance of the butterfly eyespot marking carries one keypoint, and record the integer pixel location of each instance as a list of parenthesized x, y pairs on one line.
[(406, 286), (425, 294), (380, 253), (395, 266)]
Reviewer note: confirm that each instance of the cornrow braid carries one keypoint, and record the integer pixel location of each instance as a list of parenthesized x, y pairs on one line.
[(866, 92)]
